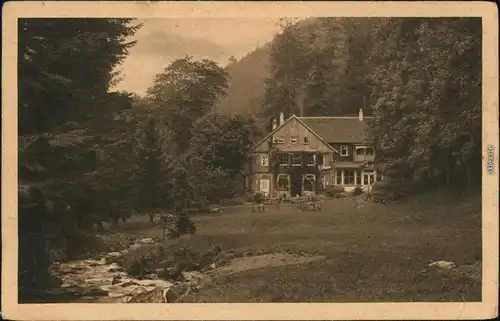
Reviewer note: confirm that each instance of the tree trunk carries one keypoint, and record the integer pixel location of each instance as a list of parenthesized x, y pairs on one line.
[(447, 176), (468, 176), (100, 227)]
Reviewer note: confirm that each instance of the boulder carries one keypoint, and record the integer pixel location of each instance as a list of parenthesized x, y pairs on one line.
[(176, 291), (151, 276), (114, 254), (157, 295), (147, 240), (443, 265)]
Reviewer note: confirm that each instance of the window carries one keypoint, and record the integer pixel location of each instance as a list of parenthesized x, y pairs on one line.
[(296, 160), (311, 160), (321, 160), (293, 140), (357, 180), (306, 140), (283, 159), (370, 151), (339, 177), (360, 151), (349, 177), (248, 183), (309, 180), (278, 140), (324, 160), (282, 182), (264, 161), (344, 151)]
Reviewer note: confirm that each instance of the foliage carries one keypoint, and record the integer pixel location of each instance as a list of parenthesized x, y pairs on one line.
[(71, 131), (335, 191), (154, 185), (420, 78), (358, 190), (307, 61), (427, 97), (185, 91)]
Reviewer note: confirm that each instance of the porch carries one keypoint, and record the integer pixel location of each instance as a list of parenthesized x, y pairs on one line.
[(355, 174)]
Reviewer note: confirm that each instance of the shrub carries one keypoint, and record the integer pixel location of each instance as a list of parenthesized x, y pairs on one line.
[(189, 259), (358, 190), (335, 191), (142, 260), (184, 225)]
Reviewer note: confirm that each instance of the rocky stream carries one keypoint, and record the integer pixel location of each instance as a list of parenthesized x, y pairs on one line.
[(103, 280)]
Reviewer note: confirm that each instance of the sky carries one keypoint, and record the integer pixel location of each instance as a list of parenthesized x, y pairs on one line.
[(162, 40)]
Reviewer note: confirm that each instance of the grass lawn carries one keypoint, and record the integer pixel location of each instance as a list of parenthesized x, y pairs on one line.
[(374, 252)]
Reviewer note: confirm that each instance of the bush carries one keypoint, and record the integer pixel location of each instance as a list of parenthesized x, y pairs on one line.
[(386, 191), (189, 259), (142, 261), (184, 225), (335, 191), (358, 190)]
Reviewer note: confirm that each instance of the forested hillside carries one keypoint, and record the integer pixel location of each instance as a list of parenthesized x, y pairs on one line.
[(89, 156), (419, 78), (246, 83)]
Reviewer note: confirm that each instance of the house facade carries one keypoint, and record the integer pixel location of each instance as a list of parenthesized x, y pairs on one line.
[(303, 155)]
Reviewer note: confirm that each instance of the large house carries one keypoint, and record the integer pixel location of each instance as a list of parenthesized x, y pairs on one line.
[(304, 154)]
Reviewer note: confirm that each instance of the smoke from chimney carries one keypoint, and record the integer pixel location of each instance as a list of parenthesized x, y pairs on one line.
[(360, 115), (274, 123), (282, 118)]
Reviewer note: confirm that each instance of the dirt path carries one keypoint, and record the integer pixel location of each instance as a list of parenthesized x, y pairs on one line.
[(263, 261)]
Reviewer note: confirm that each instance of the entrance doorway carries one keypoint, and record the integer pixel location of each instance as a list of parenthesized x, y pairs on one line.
[(368, 179), (296, 184), (264, 187)]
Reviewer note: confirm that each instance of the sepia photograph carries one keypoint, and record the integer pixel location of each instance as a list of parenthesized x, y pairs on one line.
[(175, 154)]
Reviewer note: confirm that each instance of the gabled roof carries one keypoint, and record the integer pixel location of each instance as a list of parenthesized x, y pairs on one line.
[(340, 129), (286, 122)]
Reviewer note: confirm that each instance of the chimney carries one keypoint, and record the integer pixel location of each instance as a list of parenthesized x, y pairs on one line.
[(361, 115), (274, 123), (282, 118)]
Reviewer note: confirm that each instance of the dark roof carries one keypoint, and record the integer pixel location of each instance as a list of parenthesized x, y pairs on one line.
[(340, 129)]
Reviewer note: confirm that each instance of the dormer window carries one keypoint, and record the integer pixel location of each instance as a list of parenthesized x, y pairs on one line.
[(344, 150), (293, 140), (306, 140), (278, 140)]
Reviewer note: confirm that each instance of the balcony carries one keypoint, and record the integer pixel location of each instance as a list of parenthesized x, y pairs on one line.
[(364, 153)]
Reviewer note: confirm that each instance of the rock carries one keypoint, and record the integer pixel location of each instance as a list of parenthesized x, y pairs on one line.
[(157, 295), (443, 265), (114, 255), (193, 276), (147, 240), (128, 284), (117, 269), (96, 292), (176, 291), (117, 279), (162, 283), (135, 247), (152, 276)]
